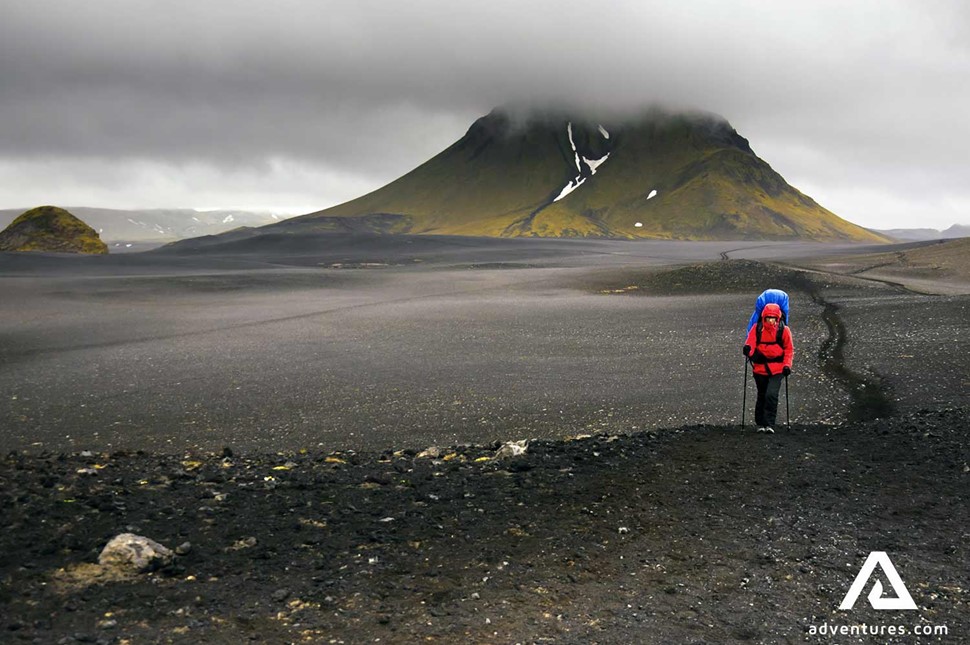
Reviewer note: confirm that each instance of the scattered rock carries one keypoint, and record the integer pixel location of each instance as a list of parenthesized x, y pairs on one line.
[(244, 543), (468, 537), (432, 452), (135, 552), (512, 449)]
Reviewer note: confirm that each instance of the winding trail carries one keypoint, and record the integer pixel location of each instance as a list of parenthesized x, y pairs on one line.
[(868, 395), (869, 399)]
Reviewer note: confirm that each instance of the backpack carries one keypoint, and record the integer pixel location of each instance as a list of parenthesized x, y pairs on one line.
[(776, 296)]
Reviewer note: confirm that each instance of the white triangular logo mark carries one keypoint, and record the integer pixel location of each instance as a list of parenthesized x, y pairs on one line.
[(879, 558)]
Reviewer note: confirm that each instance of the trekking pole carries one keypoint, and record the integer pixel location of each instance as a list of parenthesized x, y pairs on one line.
[(787, 408), (744, 397)]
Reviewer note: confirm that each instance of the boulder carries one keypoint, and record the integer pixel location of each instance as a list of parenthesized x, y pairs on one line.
[(135, 553)]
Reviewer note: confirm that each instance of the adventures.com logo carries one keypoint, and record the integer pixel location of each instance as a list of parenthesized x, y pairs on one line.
[(900, 601), (879, 559)]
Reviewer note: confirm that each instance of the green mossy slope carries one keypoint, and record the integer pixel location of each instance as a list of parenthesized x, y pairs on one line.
[(503, 177), (51, 229)]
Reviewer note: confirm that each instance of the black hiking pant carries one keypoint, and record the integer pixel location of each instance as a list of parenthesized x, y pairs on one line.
[(766, 407)]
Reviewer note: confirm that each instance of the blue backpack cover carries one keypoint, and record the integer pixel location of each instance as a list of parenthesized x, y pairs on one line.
[(776, 296)]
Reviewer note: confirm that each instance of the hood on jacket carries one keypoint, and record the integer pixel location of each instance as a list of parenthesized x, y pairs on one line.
[(771, 309)]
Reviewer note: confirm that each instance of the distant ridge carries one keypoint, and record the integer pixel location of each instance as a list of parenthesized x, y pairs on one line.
[(662, 175), (921, 234), (157, 225)]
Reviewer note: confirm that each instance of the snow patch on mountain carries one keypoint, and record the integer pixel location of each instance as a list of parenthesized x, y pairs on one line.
[(653, 193), (569, 131), (596, 163), (570, 187), (591, 164), (229, 218)]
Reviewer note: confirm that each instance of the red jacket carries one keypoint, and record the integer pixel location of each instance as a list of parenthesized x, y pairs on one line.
[(768, 357)]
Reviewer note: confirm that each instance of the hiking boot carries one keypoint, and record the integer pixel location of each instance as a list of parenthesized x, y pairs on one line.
[(761, 428), (768, 430)]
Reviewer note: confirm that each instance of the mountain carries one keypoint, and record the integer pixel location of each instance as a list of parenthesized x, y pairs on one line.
[(923, 234), (909, 234), (48, 228), (661, 175), (955, 231), (159, 225)]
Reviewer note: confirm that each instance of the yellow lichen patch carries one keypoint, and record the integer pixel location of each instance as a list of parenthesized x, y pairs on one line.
[(312, 635), (318, 524), (244, 543), (191, 464), (627, 289), (80, 576), (293, 607), (334, 460)]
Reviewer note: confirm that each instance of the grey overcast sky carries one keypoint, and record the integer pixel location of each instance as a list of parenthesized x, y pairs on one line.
[(293, 106)]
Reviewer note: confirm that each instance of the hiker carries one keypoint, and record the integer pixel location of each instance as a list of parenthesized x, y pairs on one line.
[(768, 296), (770, 349)]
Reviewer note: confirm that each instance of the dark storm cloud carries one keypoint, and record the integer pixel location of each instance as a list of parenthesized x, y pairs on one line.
[(833, 94)]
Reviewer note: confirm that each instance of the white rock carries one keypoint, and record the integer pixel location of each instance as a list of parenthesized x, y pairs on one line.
[(134, 552), (512, 449)]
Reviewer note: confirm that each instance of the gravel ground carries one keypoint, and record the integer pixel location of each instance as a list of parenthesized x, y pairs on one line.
[(702, 535), (272, 417), (917, 345)]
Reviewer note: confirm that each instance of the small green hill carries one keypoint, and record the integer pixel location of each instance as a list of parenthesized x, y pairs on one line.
[(660, 175), (52, 229)]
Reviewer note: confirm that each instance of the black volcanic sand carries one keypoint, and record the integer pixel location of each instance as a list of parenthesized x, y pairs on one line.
[(459, 347), (699, 534)]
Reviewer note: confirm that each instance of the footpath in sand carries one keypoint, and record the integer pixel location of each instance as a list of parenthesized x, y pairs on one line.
[(701, 534)]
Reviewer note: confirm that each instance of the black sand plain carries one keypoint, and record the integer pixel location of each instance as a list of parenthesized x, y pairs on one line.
[(282, 391)]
